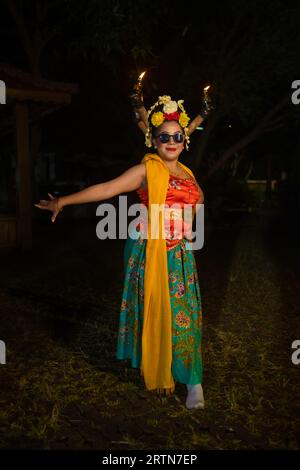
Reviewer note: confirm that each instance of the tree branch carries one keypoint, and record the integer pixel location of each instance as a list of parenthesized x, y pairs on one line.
[(265, 125)]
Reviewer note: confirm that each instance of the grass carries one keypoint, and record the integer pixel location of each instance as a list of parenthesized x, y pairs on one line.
[(67, 390)]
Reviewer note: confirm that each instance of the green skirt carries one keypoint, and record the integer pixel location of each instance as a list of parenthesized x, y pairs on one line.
[(185, 306)]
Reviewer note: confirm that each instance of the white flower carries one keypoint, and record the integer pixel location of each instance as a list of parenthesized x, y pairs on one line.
[(164, 99), (170, 107)]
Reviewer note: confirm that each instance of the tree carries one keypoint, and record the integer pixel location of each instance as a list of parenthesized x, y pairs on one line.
[(248, 51), (34, 28)]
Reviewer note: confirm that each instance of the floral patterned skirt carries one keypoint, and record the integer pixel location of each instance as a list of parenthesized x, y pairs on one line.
[(185, 306)]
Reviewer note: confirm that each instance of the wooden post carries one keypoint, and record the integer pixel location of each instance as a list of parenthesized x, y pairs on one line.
[(24, 203)]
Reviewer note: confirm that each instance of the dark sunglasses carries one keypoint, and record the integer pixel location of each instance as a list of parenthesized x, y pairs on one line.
[(178, 137)]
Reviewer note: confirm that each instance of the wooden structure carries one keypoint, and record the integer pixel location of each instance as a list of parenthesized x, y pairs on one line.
[(28, 99)]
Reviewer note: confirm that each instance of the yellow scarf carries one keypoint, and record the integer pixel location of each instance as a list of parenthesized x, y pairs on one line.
[(157, 323)]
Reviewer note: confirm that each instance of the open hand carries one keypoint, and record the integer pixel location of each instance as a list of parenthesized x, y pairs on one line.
[(52, 205)]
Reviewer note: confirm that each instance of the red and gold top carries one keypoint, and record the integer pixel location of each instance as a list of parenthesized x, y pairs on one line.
[(180, 191)]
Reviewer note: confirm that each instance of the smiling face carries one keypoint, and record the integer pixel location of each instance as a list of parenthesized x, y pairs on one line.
[(171, 150)]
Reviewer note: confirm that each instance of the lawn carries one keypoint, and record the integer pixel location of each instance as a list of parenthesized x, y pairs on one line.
[(62, 387)]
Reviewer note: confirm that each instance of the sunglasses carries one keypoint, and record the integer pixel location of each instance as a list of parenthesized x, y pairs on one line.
[(178, 137)]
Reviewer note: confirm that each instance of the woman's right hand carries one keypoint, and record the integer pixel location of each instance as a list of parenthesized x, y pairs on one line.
[(52, 205)]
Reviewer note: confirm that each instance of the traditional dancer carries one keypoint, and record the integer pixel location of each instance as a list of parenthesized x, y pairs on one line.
[(160, 327)]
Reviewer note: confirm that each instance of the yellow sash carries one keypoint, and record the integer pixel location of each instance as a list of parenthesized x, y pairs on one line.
[(157, 319)]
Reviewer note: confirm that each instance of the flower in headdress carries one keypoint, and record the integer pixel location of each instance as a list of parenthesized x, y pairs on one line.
[(172, 111), (171, 116), (170, 107), (164, 99), (157, 119), (183, 119)]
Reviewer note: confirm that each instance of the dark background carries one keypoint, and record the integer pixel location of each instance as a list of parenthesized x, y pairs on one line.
[(60, 298), (247, 50)]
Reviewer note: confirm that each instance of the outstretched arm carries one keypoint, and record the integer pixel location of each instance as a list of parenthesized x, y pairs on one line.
[(137, 103), (205, 110), (141, 119), (130, 180), (195, 123)]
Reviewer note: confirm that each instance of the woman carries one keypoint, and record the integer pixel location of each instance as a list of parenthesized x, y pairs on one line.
[(161, 316)]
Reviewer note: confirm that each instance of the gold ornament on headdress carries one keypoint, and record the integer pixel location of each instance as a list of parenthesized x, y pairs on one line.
[(157, 118)]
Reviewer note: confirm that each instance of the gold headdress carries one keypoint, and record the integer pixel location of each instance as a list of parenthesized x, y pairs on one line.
[(170, 111)]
